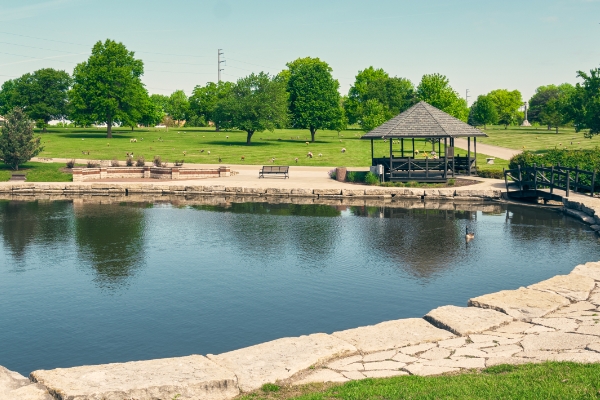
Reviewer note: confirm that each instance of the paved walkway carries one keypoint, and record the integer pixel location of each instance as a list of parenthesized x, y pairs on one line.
[(494, 151)]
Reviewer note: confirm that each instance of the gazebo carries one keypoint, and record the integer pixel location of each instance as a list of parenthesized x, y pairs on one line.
[(423, 121)]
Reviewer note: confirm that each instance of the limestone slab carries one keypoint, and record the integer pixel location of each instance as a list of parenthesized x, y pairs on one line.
[(582, 357), (503, 351), (522, 304), (458, 362), (357, 366), (404, 358), (580, 306), (594, 347), (469, 352), (380, 356), (280, 359), (393, 334), (591, 269), (14, 386), (322, 375), (561, 324), (554, 341), (353, 375), (539, 329), (574, 287), (498, 340), (384, 373), (342, 362), (190, 377), (589, 329), (436, 353), (509, 360), (411, 350), (427, 370), (452, 343), (381, 365), (514, 327), (465, 320)]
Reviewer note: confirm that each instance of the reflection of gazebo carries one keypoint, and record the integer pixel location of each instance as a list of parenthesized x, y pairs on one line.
[(423, 121)]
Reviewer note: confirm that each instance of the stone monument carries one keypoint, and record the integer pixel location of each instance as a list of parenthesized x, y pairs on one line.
[(525, 122)]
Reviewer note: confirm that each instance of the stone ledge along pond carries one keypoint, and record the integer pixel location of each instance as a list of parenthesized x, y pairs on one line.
[(87, 283)]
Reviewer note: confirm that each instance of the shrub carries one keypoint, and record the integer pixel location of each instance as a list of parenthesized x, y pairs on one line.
[(491, 173), (332, 173), (371, 178), (140, 162), (356, 176), (179, 163), (129, 161), (91, 164), (157, 161), (70, 163), (114, 163)]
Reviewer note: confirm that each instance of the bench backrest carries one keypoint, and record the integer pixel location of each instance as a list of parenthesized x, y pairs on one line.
[(272, 168)]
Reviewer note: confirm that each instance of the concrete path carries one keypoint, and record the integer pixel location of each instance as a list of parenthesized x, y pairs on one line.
[(494, 151)]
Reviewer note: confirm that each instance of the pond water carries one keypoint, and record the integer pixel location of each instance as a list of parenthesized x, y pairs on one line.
[(84, 283)]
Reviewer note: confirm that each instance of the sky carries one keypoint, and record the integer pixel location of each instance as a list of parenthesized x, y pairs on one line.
[(480, 45)]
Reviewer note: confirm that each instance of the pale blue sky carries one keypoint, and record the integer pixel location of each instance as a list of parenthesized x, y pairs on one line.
[(479, 44)]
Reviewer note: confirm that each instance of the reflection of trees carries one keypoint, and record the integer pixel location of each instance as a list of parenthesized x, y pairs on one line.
[(422, 241), (271, 236), (23, 223), (112, 239)]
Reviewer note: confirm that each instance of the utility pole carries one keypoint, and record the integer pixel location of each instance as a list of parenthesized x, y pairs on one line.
[(467, 97), (220, 53)]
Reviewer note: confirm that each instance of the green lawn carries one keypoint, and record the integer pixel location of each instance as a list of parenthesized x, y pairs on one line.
[(532, 381), (285, 145), (37, 172), (537, 139)]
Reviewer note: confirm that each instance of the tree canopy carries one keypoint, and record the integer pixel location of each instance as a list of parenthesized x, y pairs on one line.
[(254, 104), (507, 105), (392, 93), (17, 142), (178, 106), (435, 89), (108, 87), (550, 105), (483, 112), (313, 95), (585, 103), (204, 99), (42, 95)]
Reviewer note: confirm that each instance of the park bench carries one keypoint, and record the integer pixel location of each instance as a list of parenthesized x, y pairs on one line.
[(17, 177), (274, 170)]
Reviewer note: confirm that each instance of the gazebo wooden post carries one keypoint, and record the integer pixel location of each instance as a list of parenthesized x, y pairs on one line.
[(445, 157), (475, 150), (372, 154), (453, 156), (413, 149), (402, 146), (391, 161), (469, 154)]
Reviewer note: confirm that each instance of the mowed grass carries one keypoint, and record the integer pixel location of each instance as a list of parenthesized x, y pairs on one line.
[(538, 139), (37, 172), (526, 382), (285, 145)]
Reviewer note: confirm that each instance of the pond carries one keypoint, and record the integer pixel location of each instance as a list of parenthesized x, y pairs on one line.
[(88, 283)]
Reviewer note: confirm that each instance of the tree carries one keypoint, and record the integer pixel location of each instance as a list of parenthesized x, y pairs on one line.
[(154, 110), (314, 97), (394, 94), (435, 89), (204, 99), (7, 93), (483, 112), (255, 103), (178, 106), (550, 105), (373, 115), (17, 142), (108, 87), (507, 105), (585, 103)]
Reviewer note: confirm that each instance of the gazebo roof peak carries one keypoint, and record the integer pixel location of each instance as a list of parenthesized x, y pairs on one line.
[(423, 121)]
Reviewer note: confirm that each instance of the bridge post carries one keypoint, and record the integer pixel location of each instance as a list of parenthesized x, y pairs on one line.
[(520, 180), (593, 183), (535, 178), (568, 182), (505, 181), (577, 178), (552, 179)]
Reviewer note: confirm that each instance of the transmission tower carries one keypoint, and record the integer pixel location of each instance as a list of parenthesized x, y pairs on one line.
[(220, 53)]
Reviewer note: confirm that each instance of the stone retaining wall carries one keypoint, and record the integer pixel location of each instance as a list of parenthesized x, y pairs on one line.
[(87, 174)]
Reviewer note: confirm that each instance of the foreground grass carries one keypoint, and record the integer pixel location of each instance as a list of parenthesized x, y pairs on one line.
[(533, 381), (537, 139), (37, 172), (285, 145)]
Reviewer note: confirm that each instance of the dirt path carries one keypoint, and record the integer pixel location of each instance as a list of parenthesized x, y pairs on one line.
[(494, 151)]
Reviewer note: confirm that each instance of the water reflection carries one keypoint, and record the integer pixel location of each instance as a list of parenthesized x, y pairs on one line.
[(23, 223), (111, 239)]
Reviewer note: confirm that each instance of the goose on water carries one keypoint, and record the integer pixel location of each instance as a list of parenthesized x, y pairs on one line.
[(468, 235)]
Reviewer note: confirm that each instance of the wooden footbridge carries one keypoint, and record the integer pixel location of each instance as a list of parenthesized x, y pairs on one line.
[(532, 183)]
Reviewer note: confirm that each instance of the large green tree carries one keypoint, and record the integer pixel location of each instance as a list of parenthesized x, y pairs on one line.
[(154, 110), (42, 95), (204, 99), (255, 103), (108, 87), (507, 105), (550, 105), (17, 141), (314, 97), (373, 115), (435, 89), (585, 103), (178, 106), (483, 112), (393, 93)]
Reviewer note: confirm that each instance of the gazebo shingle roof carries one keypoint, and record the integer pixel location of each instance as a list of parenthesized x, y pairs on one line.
[(423, 120)]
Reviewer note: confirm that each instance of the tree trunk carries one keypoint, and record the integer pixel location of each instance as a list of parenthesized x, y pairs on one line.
[(17, 167), (44, 129), (109, 127), (312, 134), (557, 129), (549, 127), (131, 128), (249, 137)]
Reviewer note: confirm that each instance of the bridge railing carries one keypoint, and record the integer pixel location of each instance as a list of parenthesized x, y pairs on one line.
[(554, 177)]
